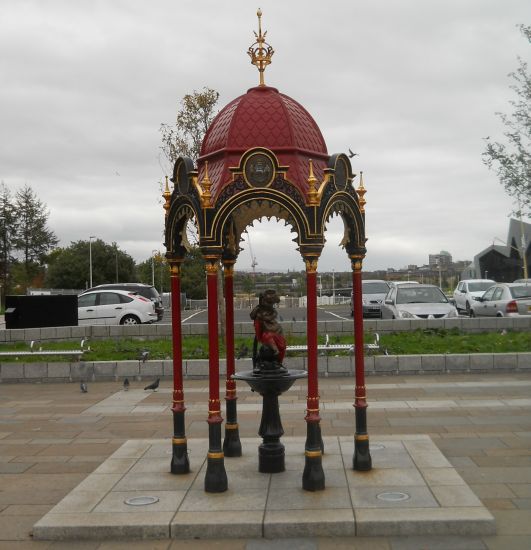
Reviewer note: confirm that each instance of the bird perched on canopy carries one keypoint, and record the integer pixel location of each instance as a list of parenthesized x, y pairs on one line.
[(153, 386)]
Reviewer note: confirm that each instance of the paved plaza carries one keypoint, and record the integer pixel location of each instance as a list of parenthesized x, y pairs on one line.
[(52, 438)]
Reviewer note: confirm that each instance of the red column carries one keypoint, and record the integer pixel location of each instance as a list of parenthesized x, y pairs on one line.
[(311, 326), (179, 463), (362, 457), (313, 478), (231, 444), (216, 477), (178, 395)]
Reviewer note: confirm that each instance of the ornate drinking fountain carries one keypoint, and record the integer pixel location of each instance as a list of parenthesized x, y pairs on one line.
[(270, 379)]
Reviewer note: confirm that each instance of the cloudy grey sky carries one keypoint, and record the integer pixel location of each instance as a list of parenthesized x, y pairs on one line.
[(412, 86)]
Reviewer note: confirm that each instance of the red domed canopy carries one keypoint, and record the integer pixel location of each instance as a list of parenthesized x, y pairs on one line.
[(263, 117)]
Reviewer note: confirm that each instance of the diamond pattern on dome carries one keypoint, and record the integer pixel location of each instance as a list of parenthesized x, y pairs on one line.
[(260, 120), (306, 132), (216, 136)]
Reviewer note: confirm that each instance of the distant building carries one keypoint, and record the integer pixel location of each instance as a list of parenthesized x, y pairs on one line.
[(504, 262), (443, 259)]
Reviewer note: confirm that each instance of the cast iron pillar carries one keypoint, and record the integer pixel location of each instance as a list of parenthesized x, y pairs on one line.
[(216, 477), (179, 460), (313, 478), (362, 456), (231, 444)]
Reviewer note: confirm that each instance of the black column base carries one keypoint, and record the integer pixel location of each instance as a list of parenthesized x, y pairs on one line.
[(313, 478), (179, 460), (362, 460), (271, 458), (216, 477), (232, 446)]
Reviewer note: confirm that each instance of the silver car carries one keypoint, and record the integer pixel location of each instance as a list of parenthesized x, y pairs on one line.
[(417, 301), (503, 300)]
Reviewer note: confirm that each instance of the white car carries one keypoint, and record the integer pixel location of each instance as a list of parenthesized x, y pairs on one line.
[(417, 301), (114, 307), (468, 290)]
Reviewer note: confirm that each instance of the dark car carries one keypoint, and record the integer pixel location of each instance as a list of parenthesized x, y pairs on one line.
[(148, 291), (373, 294)]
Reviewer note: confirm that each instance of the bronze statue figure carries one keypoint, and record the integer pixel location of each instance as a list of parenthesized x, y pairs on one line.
[(268, 332)]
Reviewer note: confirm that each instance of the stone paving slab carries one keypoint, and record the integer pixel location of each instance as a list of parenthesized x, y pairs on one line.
[(432, 497)]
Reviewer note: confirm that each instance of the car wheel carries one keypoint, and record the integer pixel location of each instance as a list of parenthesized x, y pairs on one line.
[(467, 309), (130, 320)]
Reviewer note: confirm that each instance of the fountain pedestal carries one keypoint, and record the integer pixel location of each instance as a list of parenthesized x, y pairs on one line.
[(270, 379)]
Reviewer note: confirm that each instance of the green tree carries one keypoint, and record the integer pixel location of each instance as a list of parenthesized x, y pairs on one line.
[(31, 234), (69, 267), (7, 224), (184, 138), (512, 160), (193, 282), (155, 271)]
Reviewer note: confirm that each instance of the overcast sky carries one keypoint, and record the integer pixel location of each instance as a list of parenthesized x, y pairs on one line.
[(412, 86)]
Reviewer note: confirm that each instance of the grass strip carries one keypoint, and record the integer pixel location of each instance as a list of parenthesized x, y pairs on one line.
[(429, 341)]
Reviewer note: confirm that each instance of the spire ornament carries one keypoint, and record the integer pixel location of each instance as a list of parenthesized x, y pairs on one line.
[(260, 52), (166, 195), (361, 194), (313, 195), (206, 184)]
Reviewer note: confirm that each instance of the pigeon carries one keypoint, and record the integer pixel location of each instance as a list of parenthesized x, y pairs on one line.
[(83, 387), (126, 384), (153, 386), (144, 356), (351, 154)]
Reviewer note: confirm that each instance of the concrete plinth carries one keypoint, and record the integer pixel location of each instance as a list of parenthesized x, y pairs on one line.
[(411, 490)]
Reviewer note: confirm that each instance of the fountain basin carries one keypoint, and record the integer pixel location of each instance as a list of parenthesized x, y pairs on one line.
[(274, 382)]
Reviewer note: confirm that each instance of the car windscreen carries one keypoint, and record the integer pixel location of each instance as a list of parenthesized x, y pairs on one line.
[(478, 287), (374, 288), (420, 296), (523, 291)]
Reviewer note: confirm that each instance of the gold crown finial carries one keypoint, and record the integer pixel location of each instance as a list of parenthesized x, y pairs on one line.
[(260, 52)]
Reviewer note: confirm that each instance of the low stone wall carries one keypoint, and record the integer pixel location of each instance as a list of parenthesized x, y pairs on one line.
[(328, 366), (332, 328)]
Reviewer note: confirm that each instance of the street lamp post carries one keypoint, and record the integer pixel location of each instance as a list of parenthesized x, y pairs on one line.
[(153, 252), (90, 259), (333, 286)]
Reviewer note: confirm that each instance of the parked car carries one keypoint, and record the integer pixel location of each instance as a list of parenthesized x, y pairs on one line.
[(148, 291), (467, 290), (503, 300), (525, 281), (417, 301), (114, 307), (373, 293)]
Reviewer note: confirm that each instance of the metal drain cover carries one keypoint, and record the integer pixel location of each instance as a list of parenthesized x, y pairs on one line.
[(377, 446), (141, 501), (393, 496)]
